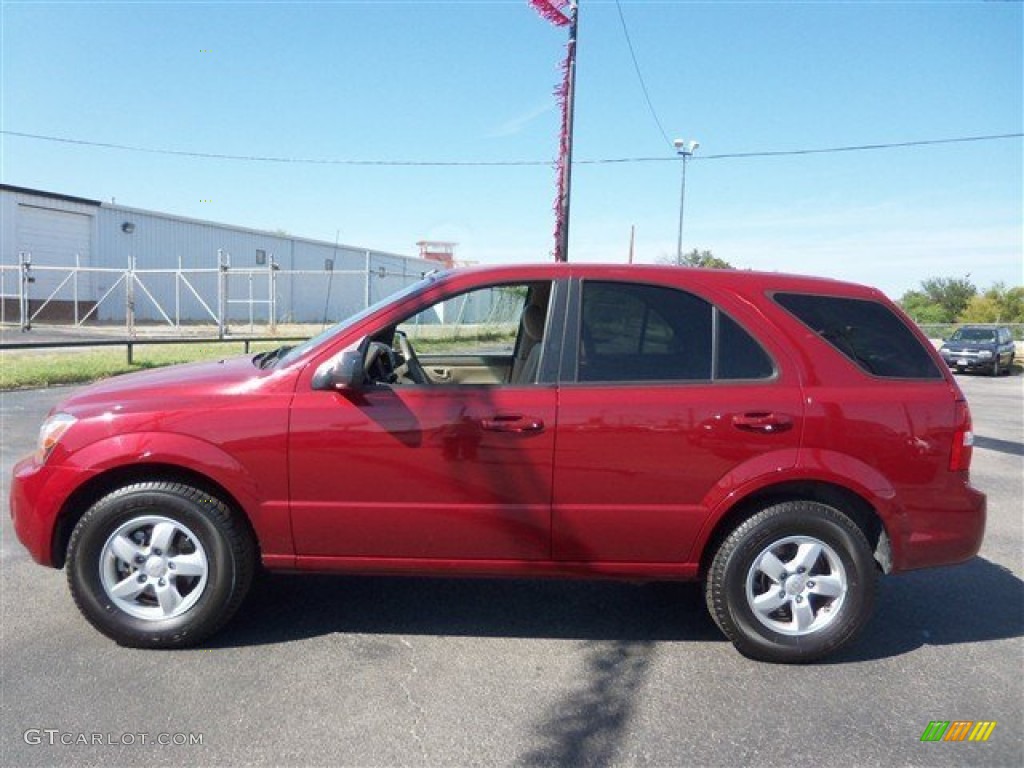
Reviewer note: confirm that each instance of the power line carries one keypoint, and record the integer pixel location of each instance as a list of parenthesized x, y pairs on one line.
[(640, 77), (507, 163), (860, 147)]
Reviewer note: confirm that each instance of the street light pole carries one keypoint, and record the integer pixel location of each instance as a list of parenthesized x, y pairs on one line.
[(684, 149)]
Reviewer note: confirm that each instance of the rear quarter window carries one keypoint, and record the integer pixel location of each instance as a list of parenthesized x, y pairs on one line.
[(867, 332)]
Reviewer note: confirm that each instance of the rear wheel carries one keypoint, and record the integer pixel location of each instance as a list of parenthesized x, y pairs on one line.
[(793, 583), (157, 565)]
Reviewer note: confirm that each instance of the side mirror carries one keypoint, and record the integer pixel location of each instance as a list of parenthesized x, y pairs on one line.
[(342, 373)]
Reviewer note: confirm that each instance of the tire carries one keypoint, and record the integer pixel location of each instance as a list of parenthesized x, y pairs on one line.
[(159, 565), (821, 591), (996, 368)]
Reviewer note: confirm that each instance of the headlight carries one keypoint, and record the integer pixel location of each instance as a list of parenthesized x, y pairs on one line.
[(985, 354), (51, 432)]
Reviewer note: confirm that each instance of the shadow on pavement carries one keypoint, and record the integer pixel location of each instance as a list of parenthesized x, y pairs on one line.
[(976, 602), (282, 608), (1002, 446), (586, 727), (622, 625)]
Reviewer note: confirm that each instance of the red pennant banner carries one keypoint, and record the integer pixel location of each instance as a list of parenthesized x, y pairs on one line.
[(552, 10), (562, 13)]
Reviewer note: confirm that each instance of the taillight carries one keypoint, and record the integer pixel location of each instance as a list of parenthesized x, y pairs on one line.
[(963, 440)]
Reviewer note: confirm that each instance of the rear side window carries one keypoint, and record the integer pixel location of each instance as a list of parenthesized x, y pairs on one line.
[(867, 332), (633, 332), (643, 333)]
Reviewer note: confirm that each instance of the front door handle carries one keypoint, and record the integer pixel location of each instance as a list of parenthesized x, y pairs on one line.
[(763, 422), (512, 422)]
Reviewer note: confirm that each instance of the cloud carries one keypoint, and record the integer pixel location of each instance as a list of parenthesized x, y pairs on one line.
[(517, 124)]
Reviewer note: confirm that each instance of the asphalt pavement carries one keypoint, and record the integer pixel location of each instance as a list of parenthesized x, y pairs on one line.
[(359, 671)]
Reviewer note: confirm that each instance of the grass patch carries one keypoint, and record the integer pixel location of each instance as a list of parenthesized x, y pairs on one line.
[(30, 369), (474, 343)]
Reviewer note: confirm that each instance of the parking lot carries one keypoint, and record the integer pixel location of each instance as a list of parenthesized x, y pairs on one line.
[(386, 671)]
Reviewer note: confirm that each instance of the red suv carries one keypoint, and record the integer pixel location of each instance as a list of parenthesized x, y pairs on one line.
[(784, 439)]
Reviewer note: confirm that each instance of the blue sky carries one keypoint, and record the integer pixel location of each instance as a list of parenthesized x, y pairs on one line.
[(473, 81)]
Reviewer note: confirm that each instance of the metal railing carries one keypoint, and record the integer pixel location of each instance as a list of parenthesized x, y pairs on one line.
[(130, 344)]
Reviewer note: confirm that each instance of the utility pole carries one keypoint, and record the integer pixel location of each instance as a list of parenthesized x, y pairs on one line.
[(565, 148), (563, 13)]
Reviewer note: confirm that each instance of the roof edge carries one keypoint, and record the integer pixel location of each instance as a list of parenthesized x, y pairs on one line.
[(50, 195)]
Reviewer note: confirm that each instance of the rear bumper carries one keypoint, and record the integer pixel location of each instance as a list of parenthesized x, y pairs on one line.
[(948, 531)]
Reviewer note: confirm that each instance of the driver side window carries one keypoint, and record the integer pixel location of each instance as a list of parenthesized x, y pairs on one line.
[(490, 335)]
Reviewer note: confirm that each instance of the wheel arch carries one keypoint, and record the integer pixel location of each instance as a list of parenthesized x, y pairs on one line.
[(108, 481), (846, 501)]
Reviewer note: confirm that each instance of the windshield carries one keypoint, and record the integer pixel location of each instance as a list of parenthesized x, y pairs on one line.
[(296, 352), (974, 334)]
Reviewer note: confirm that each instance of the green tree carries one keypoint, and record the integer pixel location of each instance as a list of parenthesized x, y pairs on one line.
[(952, 294), (998, 304), (697, 258), (921, 308)]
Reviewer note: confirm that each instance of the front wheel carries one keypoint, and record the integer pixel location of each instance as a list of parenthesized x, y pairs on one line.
[(793, 583), (159, 565)]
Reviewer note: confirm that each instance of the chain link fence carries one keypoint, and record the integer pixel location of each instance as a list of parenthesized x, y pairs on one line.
[(945, 330)]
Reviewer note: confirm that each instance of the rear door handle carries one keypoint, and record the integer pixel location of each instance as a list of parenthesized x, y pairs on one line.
[(764, 422), (512, 422)]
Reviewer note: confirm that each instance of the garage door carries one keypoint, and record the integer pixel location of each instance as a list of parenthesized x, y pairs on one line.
[(53, 238)]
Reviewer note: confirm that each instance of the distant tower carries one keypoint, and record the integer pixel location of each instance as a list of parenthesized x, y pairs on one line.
[(439, 251)]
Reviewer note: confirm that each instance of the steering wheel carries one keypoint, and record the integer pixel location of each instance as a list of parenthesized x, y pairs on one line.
[(411, 368), (381, 364)]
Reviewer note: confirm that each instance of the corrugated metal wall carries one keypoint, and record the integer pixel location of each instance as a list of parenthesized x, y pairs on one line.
[(163, 242), (158, 241)]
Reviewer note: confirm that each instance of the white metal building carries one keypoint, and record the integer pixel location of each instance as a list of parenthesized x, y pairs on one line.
[(175, 261)]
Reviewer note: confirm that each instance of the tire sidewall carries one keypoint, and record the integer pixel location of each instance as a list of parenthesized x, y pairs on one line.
[(824, 524), (84, 566)]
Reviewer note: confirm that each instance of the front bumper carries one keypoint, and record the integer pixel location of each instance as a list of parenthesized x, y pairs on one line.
[(967, 361), (37, 493)]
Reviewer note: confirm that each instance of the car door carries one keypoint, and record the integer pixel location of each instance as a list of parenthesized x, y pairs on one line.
[(441, 470), (1006, 346), (666, 402)]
